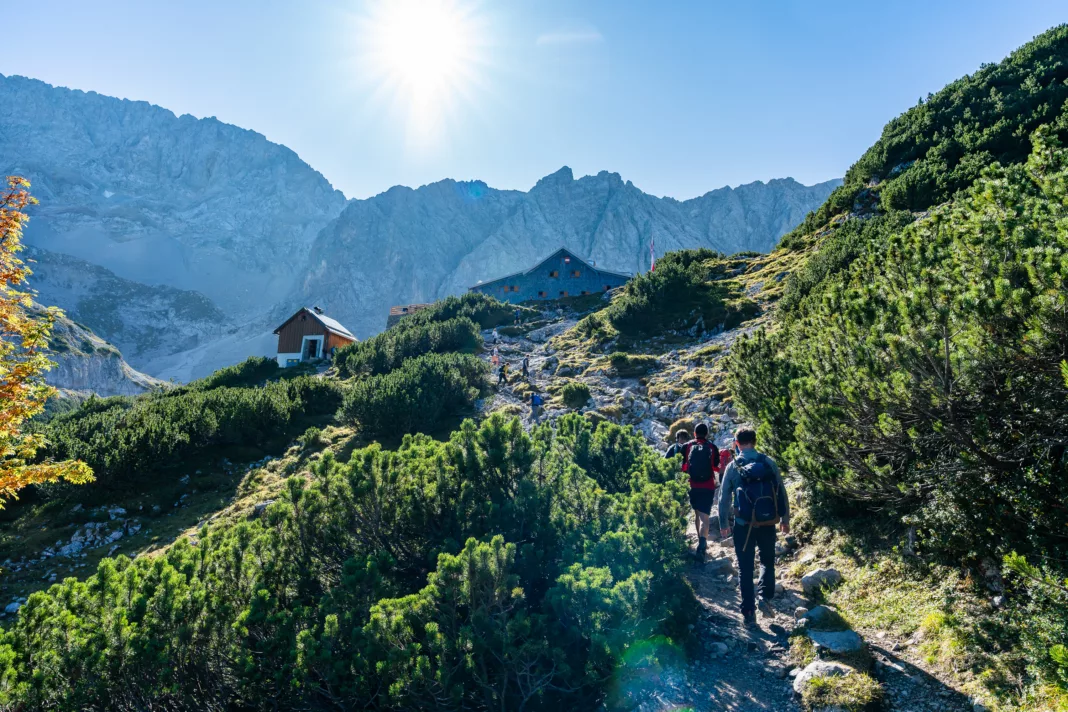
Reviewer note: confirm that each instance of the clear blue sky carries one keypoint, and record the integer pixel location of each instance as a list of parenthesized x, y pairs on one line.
[(679, 97)]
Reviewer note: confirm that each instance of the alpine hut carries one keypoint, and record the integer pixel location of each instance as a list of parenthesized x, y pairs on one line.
[(310, 335)]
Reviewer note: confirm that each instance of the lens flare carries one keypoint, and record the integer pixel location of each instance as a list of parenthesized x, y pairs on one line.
[(424, 57)]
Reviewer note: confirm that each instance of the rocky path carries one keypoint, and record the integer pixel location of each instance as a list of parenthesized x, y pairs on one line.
[(737, 667)]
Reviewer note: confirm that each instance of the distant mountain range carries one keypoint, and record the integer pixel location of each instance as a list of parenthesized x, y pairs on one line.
[(181, 241)]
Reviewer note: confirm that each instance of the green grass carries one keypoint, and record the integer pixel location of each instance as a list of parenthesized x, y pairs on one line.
[(627, 365), (855, 693)]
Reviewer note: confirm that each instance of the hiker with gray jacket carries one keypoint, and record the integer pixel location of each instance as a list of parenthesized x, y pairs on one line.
[(752, 487)]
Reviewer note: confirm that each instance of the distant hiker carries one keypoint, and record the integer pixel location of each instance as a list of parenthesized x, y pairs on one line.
[(495, 359), (681, 438), (700, 459), (526, 367), (496, 336), (753, 484), (517, 316), (536, 402), (726, 455), (502, 374)]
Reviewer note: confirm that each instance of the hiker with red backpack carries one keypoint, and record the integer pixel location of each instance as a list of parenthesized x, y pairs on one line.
[(752, 486), (700, 460)]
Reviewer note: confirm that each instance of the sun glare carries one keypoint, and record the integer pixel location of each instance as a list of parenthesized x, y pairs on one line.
[(423, 54)]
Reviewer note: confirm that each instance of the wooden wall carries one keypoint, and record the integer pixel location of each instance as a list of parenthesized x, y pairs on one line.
[(292, 334)]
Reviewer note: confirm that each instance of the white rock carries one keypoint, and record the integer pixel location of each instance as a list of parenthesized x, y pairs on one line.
[(838, 642), (816, 579), (820, 668)]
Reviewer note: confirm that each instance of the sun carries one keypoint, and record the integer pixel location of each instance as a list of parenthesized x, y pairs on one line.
[(423, 54)]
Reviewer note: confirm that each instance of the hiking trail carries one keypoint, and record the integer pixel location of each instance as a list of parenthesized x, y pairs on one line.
[(736, 667)]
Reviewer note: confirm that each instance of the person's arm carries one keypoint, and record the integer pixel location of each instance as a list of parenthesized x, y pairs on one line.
[(784, 499), (726, 499)]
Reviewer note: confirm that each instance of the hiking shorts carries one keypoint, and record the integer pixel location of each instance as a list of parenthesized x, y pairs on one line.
[(702, 499)]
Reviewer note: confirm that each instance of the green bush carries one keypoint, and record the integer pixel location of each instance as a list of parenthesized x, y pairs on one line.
[(940, 146), (312, 437), (410, 338), (126, 439), (630, 365), (487, 572), (925, 384), (484, 310), (415, 396), (253, 371), (686, 289), (575, 394)]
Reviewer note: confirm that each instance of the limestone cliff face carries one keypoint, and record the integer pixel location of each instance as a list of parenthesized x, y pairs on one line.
[(160, 200), (418, 245), (87, 364)]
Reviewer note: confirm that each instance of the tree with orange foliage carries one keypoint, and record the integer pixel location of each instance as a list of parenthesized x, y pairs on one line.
[(23, 340)]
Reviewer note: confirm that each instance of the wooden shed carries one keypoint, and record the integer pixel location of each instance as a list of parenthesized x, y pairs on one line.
[(310, 335)]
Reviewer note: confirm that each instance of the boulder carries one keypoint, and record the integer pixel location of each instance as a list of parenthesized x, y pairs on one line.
[(819, 669), (13, 607), (260, 508), (816, 579), (800, 612), (838, 642), (823, 616)]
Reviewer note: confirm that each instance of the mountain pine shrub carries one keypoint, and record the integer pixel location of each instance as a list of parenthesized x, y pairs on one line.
[(491, 571), (409, 338), (685, 289), (415, 396), (125, 439), (925, 384), (940, 147), (575, 394)]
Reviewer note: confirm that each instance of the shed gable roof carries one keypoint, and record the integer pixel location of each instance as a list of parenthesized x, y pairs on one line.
[(331, 325), (562, 252)]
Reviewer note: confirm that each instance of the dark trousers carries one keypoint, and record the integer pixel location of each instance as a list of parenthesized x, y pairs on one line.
[(762, 539)]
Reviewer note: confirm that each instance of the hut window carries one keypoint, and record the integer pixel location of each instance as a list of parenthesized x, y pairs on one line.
[(515, 288), (607, 287), (584, 292), (563, 293), (554, 274), (576, 273), (541, 294)]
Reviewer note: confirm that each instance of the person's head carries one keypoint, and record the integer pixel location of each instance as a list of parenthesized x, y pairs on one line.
[(701, 431), (682, 436), (745, 437)]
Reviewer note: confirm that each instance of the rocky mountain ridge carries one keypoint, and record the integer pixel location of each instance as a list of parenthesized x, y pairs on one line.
[(424, 244), (183, 241)]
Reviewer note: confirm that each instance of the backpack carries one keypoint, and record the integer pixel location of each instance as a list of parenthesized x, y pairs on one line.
[(757, 498), (701, 461), (535, 399)]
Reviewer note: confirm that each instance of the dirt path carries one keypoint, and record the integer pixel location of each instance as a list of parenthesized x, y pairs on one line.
[(739, 668)]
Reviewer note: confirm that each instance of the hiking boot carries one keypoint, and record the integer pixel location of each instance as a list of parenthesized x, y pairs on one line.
[(702, 546), (765, 609), (749, 618)]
